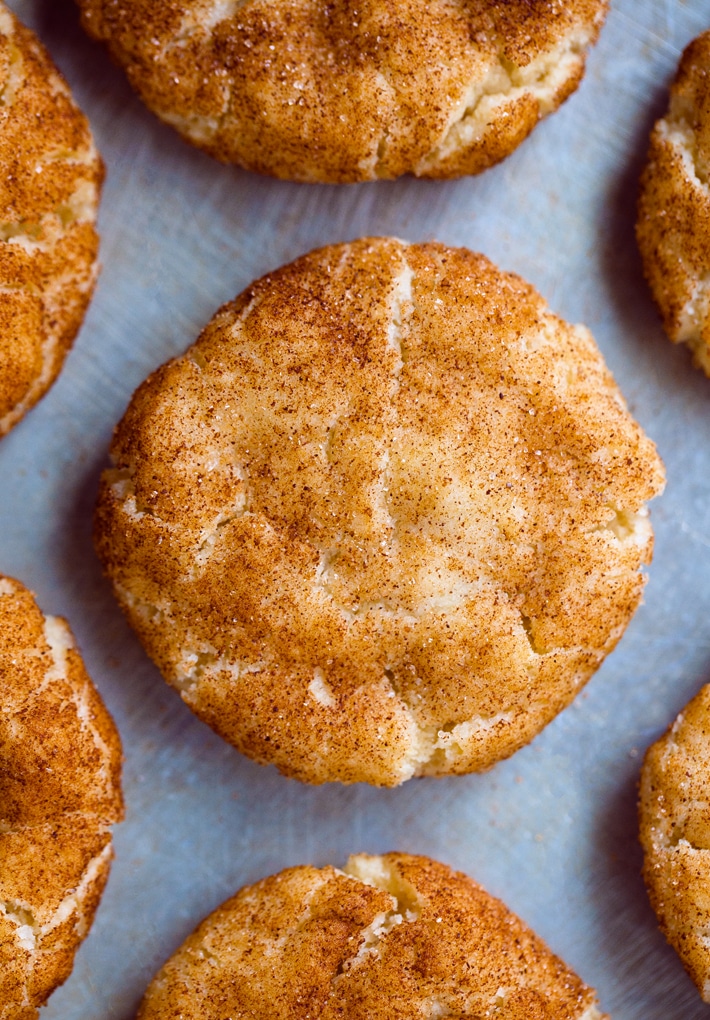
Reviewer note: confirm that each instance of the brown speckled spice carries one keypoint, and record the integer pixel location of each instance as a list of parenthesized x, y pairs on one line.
[(338, 92), (384, 519), (673, 226), (60, 761), (424, 942), (50, 177), (675, 833)]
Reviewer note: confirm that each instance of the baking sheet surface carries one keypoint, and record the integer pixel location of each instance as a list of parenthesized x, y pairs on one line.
[(552, 831)]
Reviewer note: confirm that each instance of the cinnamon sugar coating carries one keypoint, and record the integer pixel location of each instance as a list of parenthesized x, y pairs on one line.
[(384, 519), (675, 834), (50, 177), (60, 760), (338, 92), (397, 937), (673, 226)]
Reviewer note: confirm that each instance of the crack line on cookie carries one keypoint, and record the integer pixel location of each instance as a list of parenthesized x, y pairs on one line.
[(401, 311), (208, 540), (30, 931), (194, 665), (440, 743), (52, 295), (436, 1008), (627, 526), (16, 76), (467, 113), (60, 642), (406, 908), (26, 925), (381, 150), (73, 902), (200, 129), (505, 83), (527, 624), (677, 129), (210, 17)]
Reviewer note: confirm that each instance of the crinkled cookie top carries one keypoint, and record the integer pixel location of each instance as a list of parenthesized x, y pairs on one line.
[(675, 833), (384, 518), (673, 226), (60, 760), (389, 937), (338, 91), (50, 177)]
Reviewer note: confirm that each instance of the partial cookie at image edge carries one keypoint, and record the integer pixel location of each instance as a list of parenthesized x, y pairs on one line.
[(673, 225), (51, 177), (60, 793), (392, 935), (307, 92), (675, 835)]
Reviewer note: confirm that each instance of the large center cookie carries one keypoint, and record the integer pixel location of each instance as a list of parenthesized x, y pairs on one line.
[(384, 518), (348, 92)]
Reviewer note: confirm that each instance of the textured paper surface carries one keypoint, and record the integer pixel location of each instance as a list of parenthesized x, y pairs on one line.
[(553, 830)]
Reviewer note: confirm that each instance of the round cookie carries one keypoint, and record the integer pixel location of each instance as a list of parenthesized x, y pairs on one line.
[(325, 92), (675, 834), (396, 937), (60, 762), (673, 226), (384, 518), (50, 178)]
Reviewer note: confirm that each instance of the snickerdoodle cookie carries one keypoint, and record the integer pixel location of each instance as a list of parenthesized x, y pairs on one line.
[(674, 209), (60, 764), (384, 518), (340, 92), (395, 936), (675, 833), (50, 177)]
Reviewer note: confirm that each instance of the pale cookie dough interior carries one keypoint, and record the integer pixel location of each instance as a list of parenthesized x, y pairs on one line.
[(50, 177), (394, 936), (674, 210), (60, 761), (332, 92), (384, 519), (675, 833)]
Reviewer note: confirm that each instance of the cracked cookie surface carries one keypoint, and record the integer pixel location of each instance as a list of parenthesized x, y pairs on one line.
[(49, 190), (60, 792), (673, 227), (338, 92), (675, 835), (384, 518), (396, 936)]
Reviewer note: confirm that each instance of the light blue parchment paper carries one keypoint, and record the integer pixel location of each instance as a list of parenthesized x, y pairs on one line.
[(551, 831)]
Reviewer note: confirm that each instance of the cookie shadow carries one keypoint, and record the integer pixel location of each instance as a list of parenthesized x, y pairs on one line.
[(58, 25), (648, 976), (108, 644), (669, 365)]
